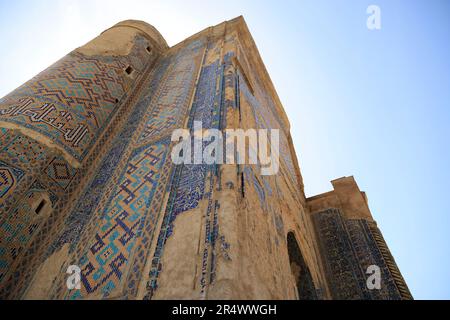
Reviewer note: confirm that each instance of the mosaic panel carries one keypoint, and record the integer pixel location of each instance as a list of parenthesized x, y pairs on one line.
[(60, 172), (24, 151), (170, 108), (9, 177), (267, 119), (188, 181), (344, 272), (41, 246), (205, 108), (350, 248), (5, 137), (82, 218), (78, 218), (104, 264), (368, 253), (144, 243), (20, 225), (25, 154), (169, 84), (190, 188), (71, 102)]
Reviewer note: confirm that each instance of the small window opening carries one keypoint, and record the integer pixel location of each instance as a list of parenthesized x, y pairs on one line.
[(129, 70), (40, 207), (148, 49)]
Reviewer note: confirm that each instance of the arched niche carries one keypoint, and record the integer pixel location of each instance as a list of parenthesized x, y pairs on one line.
[(303, 280)]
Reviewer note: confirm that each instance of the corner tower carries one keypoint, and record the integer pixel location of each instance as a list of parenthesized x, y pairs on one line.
[(54, 130), (351, 245)]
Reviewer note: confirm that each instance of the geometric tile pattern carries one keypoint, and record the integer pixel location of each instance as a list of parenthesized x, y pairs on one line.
[(349, 247), (342, 267), (47, 235), (72, 101), (188, 181), (24, 151), (25, 155), (168, 94), (6, 180), (90, 198), (190, 188), (170, 108), (111, 225), (75, 105), (69, 103), (191, 184), (19, 226), (144, 242), (5, 136), (173, 95), (113, 244), (9, 176), (266, 119), (60, 172), (363, 236)]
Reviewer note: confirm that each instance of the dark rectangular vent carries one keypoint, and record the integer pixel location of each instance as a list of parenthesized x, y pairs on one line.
[(40, 207), (129, 70)]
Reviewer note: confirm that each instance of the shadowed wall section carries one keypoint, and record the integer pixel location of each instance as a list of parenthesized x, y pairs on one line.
[(300, 271)]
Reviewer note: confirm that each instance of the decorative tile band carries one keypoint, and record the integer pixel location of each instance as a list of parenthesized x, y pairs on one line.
[(72, 102)]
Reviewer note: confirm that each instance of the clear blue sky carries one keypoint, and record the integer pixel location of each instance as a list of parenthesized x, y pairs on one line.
[(373, 104)]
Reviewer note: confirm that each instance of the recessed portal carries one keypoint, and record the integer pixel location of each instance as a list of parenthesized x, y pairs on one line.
[(303, 279)]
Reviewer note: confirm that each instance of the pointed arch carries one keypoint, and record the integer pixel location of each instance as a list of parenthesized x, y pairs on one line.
[(302, 275)]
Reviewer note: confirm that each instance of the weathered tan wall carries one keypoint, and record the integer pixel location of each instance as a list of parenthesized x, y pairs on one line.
[(119, 39), (345, 196)]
